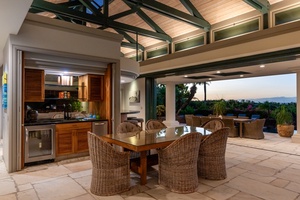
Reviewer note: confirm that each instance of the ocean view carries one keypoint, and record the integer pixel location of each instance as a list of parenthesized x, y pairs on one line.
[(275, 99)]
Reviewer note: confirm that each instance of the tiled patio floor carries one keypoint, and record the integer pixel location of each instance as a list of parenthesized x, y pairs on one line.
[(256, 169)]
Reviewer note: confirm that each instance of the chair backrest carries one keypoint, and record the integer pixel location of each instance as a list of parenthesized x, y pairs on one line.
[(109, 167), (186, 146), (204, 119), (196, 121), (254, 129), (257, 123), (228, 122), (213, 124), (126, 127), (215, 143), (97, 147), (154, 124), (188, 120)]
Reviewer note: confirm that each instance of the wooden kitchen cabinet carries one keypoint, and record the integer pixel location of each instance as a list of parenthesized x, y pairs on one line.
[(71, 138), (34, 89), (90, 87)]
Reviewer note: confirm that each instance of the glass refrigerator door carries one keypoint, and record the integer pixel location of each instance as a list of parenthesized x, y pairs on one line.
[(39, 143)]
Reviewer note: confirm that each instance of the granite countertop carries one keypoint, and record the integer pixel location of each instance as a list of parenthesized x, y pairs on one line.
[(60, 121)]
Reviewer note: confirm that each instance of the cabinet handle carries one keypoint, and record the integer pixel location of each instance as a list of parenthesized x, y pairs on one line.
[(100, 123)]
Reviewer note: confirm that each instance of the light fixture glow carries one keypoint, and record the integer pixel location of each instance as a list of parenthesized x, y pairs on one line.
[(218, 72), (65, 80), (241, 75), (210, 79), (185, 76), (262, 66)]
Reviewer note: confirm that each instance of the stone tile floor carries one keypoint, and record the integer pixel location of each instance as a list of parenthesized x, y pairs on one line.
[(256, 169)]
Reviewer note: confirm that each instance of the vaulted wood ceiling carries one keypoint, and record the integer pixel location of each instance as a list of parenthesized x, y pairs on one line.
[(148, 22)]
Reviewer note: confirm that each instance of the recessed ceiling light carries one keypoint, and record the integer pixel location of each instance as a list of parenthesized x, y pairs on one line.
[(262, 66), (241, 75), (185, 76), (218, 72), (210, 79)]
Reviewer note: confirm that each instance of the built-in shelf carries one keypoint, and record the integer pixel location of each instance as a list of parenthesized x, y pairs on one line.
[(53, 98), (56, 87)]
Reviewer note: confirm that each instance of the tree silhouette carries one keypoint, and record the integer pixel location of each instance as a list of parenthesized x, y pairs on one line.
[(191, 95)]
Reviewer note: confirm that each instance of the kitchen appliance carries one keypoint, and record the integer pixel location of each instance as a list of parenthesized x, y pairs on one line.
[(32, 115), (99, 128), (39, 143)]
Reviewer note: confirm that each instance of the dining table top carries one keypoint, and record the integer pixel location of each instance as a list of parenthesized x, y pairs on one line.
[(151, 139)]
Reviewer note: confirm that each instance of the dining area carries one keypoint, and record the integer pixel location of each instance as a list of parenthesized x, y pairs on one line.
[(256, 169), (240, 126), (181, 155)]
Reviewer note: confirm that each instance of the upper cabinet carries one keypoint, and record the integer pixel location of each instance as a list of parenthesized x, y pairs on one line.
[(90, 87), (34, 85)]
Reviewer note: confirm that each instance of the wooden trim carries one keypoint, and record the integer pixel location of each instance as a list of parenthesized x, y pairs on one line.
[(108, 96)]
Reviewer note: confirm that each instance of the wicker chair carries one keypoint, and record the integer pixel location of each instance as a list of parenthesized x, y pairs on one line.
[(126, 127), (254, 129), (229, 122), (196, 121), (213, 124), (178, 164), (188, 120), (110, 173), (154, 124), (204, 119), (211, 159)]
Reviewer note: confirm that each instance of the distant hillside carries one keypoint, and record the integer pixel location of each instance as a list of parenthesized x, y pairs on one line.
[(276, 99)]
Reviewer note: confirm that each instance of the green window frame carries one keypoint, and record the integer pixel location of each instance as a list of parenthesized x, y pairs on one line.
[(157, 52), (287, 16), (189, 43), (237, 30)]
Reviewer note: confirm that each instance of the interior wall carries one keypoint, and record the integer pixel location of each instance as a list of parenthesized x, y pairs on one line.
[(128, 88), (4, 112), (65, 37)]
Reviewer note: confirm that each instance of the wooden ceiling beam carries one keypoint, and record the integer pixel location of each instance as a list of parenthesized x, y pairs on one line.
[(262, 6), (163, 9), (132, 43), (191, 8), (99, 20)]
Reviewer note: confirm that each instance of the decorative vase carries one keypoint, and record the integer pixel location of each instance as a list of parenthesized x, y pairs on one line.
[(285, 130)]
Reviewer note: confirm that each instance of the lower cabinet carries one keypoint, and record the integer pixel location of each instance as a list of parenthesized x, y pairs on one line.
[(71, 138)]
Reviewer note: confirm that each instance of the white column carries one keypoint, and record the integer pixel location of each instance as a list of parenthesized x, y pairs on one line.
[(296, 137), (170, 105)]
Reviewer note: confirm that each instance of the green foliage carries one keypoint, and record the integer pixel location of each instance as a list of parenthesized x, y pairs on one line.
[(187, 110), (219, 107), (161, 94), (160, 110), (76, 105), (182, 93), (283, 116)]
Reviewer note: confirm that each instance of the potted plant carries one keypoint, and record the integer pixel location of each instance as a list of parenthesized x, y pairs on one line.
[(76, 105), (219, 107), (284, 120)]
